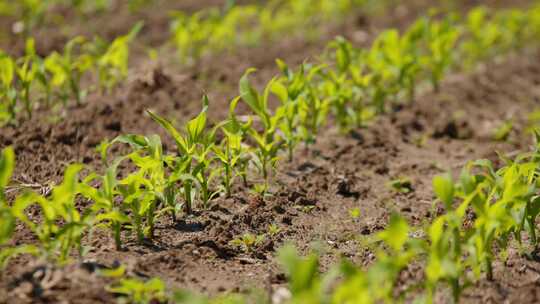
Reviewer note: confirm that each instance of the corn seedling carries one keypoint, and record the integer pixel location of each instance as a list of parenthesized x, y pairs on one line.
[(344, 97), (248, 242), (503, 131), (26, 74), (194, 145), (7, 163), (113, 64), (56, 241), (267, 142), (401, 185), (107, 212), (68, 68), (303, 111), (240, 130), (273, 230), (305, 283), (8, 94), (215, 30), (7, 216), (149, 192), (442, 37), (139, 292), (231, 152)]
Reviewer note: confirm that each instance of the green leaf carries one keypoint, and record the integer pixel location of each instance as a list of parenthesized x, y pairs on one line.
[(7, 165), (181, 142), (302, 272), (195, 127), (436, 230), (7, 70), (135, 30), (113, 273), (443, 186), (396, 234), (113, 216), (8, 225), (280, 91), (248, 93), (69, 187)]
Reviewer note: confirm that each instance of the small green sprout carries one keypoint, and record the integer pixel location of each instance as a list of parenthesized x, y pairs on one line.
[(194, 145), (442, 38), (26, 74), (231, 153), (401, 185), (303, 274), (108, 213), (273, 229), (267, 142), (140, 292), (8, 94), (502, 132), (248, 242), (355, 213), (113, 64), (68, 68), (56, 241)]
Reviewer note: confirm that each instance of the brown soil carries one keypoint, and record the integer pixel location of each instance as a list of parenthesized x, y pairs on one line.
[(312, 195)]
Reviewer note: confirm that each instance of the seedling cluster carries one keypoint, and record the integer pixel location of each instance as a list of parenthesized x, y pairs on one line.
[(32, 81), (454, 252), (31, 14), (223, 29)]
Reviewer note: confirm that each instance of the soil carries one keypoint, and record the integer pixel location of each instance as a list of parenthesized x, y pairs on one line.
[(312, 195)]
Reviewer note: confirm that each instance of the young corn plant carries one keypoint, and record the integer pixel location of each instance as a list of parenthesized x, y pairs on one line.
[(304, 281), (494, 222), (483, 36), (204, 172), (248, 242), (345, 86), (515, 26), (446, 240), (240, 130), (313, 112), (113, 64), (441, 39), (383, 81), (194, 145), (231, 151), (377, 284), (26, 75), (8, 93), (62, 226), (7, 164), (7, 216), (304, 112), (68, 68), (289, 110), (267, 141), (151, 191), (108, 214), (140, 292), (400, 54), (32, 13)]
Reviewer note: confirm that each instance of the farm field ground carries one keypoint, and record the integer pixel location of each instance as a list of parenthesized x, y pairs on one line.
[(312, 197)]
